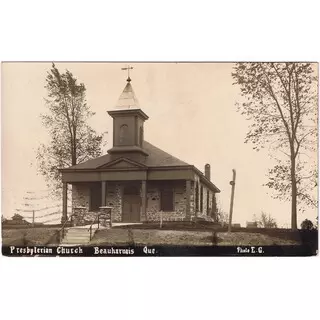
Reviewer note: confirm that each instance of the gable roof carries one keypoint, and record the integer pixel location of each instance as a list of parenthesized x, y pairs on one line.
[(157, 158)]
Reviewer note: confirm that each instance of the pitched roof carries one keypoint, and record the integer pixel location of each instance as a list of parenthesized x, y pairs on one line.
[(156, 158), (127, 98), (160, 158)]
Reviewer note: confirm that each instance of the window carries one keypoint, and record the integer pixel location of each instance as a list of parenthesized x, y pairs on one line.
[(201, 199), (95, 197), (197, 196), (123, 136), (166, 200)]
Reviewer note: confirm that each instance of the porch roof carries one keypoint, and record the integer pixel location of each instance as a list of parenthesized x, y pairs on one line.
[(157, 158)]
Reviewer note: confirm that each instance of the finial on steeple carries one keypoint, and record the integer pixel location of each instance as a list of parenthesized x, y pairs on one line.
[(128, 98), (128, 68)]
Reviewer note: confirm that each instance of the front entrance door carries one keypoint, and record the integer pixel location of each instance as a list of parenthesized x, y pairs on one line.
[(131, 203)]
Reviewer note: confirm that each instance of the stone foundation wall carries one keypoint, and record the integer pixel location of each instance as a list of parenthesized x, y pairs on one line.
[(81, 216)]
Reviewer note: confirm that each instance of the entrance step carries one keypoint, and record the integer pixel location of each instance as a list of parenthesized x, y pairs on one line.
[(77, 236)]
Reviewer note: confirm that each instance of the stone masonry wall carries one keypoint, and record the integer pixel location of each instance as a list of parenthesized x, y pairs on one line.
[(113, 199), (81, 198), (80, 195), (205, 213), (153, 204)]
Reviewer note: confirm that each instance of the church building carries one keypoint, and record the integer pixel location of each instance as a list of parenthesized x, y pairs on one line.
[(138, 180)]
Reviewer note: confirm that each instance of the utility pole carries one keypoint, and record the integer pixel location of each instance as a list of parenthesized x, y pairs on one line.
[(233, 186), (33, 218)]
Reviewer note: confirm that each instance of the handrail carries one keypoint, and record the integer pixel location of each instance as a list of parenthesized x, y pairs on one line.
[(93, 222), (61, 231)]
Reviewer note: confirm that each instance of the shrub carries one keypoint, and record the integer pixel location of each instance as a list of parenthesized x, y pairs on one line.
[(307, 224)]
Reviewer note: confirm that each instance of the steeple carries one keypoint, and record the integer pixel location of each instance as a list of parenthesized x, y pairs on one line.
[(128, 123), (128, 99)]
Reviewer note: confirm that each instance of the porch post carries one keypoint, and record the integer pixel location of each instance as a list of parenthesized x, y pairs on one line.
[(188, 199), (144, 200), (64, 202), (103, 193)]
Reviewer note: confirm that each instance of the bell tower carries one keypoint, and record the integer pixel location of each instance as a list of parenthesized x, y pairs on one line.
[(128, 125)]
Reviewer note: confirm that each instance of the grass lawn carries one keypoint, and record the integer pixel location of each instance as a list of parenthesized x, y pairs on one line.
[(28, 236), (135, 236)]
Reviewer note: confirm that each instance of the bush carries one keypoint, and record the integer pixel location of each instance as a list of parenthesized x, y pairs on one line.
[(307, 224)]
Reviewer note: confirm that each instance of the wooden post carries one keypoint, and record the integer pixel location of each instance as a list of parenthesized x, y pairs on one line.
[(64, 202), (233, 186), (143, 199), (33, 218), (160, 219), (103, 193), (188, 198)]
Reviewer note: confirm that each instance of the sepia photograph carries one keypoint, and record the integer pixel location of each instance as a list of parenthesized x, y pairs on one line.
[(159, 158)]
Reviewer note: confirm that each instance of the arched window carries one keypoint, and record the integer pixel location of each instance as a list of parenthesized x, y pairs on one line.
[(140, 136), (123, 136)]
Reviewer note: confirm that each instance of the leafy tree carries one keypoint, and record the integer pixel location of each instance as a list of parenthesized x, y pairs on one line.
[(307, 224), (72, 139), (280, 101), (265, 221)]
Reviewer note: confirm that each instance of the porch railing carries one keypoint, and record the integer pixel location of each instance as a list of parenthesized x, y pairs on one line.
[(61, 232)]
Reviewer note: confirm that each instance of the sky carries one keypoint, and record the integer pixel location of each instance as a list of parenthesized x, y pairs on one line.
[(192, 115)]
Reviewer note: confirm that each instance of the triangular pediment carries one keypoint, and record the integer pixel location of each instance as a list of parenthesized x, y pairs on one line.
[(122, 163)]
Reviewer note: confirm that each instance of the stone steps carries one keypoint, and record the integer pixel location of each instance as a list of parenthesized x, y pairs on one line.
[(77, 236)]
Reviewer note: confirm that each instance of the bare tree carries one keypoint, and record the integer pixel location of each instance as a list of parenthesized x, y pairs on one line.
[(222, 217), (280, 100), (265, 221)]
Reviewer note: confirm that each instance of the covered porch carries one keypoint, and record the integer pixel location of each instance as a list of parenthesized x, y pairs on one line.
[(133, 201)]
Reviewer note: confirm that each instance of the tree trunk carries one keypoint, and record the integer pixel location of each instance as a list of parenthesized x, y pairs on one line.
[(74, 156), (293, 193)]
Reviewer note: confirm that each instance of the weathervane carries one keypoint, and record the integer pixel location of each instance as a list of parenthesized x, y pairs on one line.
[(128, 68)]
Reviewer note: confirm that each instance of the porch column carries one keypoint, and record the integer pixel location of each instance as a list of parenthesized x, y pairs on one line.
[(103, 193), (188, 200), (143, 200), (64, 202)]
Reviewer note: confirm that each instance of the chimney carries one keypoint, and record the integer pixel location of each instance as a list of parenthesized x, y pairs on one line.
[(207, 171)]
